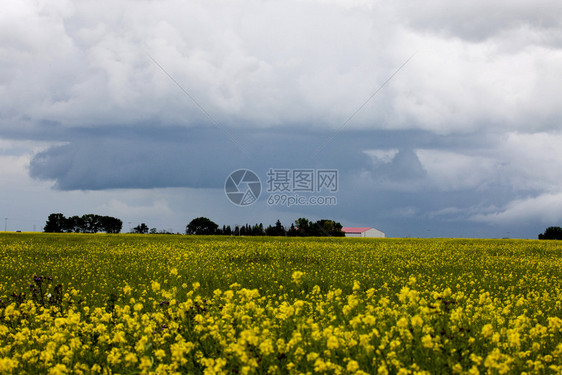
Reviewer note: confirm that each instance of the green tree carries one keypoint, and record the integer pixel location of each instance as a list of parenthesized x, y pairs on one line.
[(110, 224), (292, 232), (74, 224), (328, 228), (142, 229), (302, 227), (56, 223), (89, 223), (551, 233), (277, 230), (201, 225)]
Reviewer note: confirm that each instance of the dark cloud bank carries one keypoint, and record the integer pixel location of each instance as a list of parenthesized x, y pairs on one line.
[(395, 191)]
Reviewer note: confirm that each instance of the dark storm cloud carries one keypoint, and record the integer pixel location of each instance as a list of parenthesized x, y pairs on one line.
[(202, 157), (391, 176)]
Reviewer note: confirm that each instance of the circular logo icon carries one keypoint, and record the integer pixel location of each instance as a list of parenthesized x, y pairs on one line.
[(242, 187)]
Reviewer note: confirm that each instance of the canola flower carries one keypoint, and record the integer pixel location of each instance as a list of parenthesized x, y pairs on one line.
[(178, 304)]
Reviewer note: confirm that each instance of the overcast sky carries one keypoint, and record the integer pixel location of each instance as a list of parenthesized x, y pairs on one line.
[(443, 119)]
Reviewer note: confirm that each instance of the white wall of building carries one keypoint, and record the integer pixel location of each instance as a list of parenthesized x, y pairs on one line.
[(371, 232)]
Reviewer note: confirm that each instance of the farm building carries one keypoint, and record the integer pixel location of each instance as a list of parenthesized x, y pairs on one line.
[(362, 232)]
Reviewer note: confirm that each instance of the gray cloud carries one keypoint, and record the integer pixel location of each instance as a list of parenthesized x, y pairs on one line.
[(480, 20), (272, 64), (197, 157)]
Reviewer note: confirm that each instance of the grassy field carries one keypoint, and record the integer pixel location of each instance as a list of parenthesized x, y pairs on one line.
[(180, 304)]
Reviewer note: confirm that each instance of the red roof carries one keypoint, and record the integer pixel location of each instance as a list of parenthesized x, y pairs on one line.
[(355, 229)]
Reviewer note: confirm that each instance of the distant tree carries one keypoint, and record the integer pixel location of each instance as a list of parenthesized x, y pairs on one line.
[(56, 223), (328, 228), (302, 227), (551, 233), (110, 224), (320, 228), (292, 232), (201, 225), (74, 224), (89, 223), (142, 228), (277, 230), (257, 230)]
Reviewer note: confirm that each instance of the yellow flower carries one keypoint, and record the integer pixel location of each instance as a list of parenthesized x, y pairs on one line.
[(476, 359), (417, 321), (332, 342), (320, 365), (402, 323), (473, 370), (114, 357), (266, 347), (155, 286), (514, 339), (382, 370), (160, 354), (297, 277), (145, 363), (131, 358), (352, 366), (427, 341), (487, 330), (58, 369), (7, 365)]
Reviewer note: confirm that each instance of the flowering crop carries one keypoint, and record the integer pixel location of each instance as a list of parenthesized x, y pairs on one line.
[(205, 305)]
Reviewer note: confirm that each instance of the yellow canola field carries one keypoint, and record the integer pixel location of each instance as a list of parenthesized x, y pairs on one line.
[(129, 304)]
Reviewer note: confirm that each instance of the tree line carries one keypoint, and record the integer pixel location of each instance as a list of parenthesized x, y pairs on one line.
[(551, 233), (89, 223), (300, 228), (142, 228)]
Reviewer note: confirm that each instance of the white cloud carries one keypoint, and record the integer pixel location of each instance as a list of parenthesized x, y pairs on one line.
[(13, 170), (383, 156), (448, 170), (271, 63), (521, 161), (532, 161), (545, 209), (15, 157)]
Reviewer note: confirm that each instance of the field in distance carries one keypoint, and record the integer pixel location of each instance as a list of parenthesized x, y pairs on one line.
[(77, 303)]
